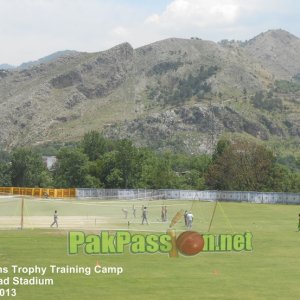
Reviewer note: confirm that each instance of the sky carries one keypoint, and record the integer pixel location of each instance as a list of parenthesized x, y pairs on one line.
[(31, 29)]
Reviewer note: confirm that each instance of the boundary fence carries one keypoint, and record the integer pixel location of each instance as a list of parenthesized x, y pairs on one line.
[(149, 194), (254, 197), (39, 192)]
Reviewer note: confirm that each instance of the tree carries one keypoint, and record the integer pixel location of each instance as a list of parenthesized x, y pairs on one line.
[(295, 185), (119, 168), (281, 179), (72, 169), (157, 173), (221, 146), (94, 145), (114, 179), (5, 169), (193, 180), (28, 169), (242, 166), (107, 171), (126, 160), (5, 174)]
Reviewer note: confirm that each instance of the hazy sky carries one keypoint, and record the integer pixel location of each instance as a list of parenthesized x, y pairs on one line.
[(31, 29)]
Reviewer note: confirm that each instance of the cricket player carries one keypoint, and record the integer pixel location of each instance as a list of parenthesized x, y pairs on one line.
[(166, 214), (185, 218), (163, 214), (55, 217), (189, 219), (144, 216)]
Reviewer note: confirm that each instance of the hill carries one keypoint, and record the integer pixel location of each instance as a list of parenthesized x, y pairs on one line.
[(176, 93), (6, 67), (42, 60), (277, 51), (46, 59)]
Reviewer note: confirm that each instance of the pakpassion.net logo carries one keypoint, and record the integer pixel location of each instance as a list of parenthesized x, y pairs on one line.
[(187, 243)]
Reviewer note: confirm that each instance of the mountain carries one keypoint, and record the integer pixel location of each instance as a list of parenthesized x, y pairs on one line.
[(42, 60), (46, 59), (277, 51), (175, 93), (6, 67)]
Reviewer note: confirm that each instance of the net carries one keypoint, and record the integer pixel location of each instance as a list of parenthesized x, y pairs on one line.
[(10, 212), (83, 214), (99, 214)]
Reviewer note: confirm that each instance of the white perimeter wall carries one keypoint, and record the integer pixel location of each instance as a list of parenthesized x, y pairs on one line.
[(135, 194)]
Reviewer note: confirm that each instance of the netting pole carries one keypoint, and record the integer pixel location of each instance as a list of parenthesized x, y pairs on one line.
[(212, 217), (22, 213)]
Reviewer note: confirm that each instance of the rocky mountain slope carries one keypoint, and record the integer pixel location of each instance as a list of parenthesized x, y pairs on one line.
[(43, 60), (277, 51), (174, 93)]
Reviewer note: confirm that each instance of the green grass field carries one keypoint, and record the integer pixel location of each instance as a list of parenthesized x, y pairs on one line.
[(270, 271)]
